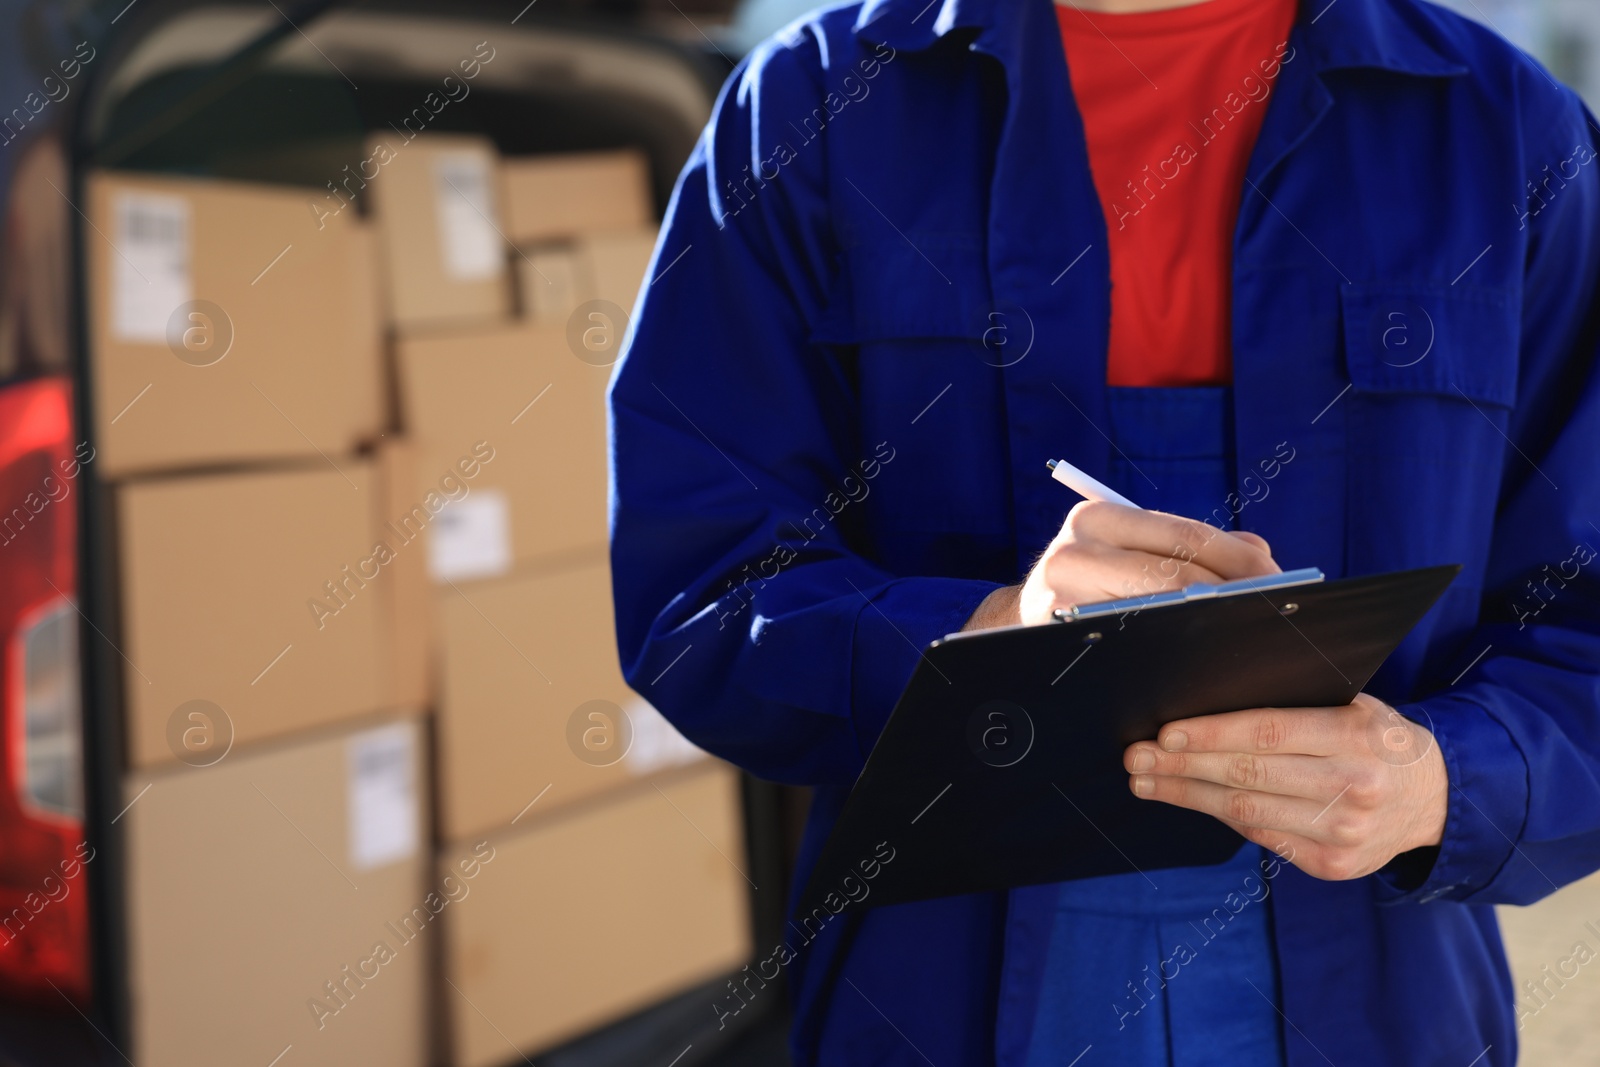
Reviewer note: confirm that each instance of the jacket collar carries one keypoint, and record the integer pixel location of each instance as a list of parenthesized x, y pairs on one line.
[(911, 25), (1391, 35)]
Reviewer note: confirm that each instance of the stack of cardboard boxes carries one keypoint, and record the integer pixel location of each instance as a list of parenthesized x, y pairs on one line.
[(603, 894), (359, 474), (275, 790)]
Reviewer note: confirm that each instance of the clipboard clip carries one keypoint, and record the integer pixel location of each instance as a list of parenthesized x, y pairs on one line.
[(1197, 591)]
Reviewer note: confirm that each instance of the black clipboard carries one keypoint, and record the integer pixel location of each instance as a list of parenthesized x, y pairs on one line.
[(1001, 765)]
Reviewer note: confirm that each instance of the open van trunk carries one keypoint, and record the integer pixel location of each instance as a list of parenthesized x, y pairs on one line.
[(287, 94)]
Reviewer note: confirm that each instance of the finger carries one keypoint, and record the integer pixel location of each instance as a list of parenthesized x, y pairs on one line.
[(1253, 539), (1171, 536), (1310, 777), (1290, 731), (1245, 807), (1116, 573)]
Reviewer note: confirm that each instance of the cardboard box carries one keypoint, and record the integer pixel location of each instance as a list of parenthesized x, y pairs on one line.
[(553, 280), (615, 264), (374, 400), (437, 203), (587, 919), (406, 603), (557, 196), (549, 283), (245, 590), (226, 325), (280, 898), (520, 401), (533, 705)]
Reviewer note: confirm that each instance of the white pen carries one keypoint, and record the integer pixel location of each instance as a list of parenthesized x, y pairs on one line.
[(1085, 486)]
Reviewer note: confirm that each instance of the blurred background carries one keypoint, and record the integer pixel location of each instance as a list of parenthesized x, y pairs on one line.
[(314, 747), (1564, 34)]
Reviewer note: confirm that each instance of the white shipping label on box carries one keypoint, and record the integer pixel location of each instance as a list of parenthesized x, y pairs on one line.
[(657, 744), (383, 796), (471, 537), (150, 274), (469, 238)]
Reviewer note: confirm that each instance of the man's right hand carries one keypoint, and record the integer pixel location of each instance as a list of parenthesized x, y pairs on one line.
[(1108, 551)]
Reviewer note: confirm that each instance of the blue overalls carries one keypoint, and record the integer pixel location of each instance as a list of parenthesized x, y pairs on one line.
[(1169, 968), (877, 182)]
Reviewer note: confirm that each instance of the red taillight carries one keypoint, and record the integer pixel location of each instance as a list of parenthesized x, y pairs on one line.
[(44, 915)]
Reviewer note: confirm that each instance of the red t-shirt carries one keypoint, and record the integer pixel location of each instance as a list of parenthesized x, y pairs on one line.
[(1172, 102)]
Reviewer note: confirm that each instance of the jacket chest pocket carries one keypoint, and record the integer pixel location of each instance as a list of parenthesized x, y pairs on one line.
[(1438, 341), (1433, 380)]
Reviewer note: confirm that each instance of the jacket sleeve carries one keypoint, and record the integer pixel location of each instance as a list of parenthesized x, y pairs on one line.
[(1520, 729), (749, 610)]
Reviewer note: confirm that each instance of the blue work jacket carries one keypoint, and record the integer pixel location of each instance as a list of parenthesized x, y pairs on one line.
[(881, 300)]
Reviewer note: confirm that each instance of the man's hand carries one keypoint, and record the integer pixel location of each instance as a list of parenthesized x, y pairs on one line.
[(1347, 789), (1106, 551)]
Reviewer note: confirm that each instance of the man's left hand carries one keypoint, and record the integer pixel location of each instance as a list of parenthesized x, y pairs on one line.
[(1347, 789)]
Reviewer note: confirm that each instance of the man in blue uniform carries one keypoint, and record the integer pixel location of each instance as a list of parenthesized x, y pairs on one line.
[(824, 459)]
